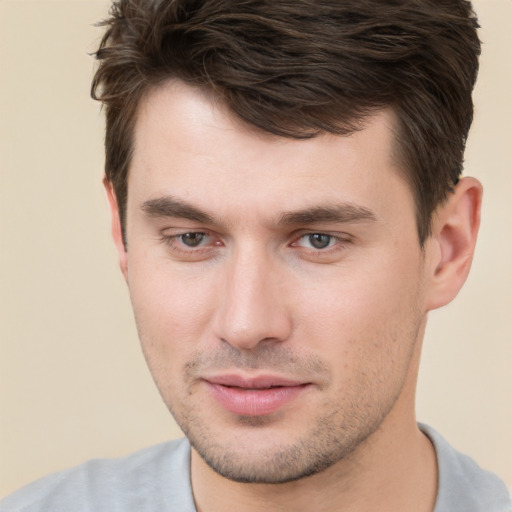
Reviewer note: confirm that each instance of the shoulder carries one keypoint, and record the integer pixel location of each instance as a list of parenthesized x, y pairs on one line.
[(150, 479), (463, 486)]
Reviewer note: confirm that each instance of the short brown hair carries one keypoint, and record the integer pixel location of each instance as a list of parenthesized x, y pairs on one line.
[(297, 68)]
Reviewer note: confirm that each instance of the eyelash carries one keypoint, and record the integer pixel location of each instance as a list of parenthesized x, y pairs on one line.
[(173, 242), (338, 241), (332, 238)]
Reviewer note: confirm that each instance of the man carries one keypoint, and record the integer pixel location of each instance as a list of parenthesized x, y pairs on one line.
[(284, 180)]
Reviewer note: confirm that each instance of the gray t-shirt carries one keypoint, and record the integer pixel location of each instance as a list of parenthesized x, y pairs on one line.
[(157, 479)]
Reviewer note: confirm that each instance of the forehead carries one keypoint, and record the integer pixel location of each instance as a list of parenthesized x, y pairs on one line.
[(188, 143)]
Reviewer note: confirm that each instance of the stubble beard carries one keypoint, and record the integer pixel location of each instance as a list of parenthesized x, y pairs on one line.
[(317, 451), (331, 438), (351, 419)]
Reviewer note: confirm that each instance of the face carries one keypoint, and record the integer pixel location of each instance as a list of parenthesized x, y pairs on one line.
[(278, 285)]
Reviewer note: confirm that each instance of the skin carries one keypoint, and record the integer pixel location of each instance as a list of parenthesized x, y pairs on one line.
[(228, 274)]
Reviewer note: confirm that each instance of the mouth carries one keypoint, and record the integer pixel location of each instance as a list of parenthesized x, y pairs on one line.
[(254, 396)]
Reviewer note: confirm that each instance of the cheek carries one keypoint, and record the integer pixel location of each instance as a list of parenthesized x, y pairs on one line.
[(172, 311), (365, 318)]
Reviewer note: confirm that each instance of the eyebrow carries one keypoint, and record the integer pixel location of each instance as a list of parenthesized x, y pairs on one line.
[(339, 213), (169, 206)]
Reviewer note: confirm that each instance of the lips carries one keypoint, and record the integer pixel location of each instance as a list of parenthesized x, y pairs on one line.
[(254, 396)]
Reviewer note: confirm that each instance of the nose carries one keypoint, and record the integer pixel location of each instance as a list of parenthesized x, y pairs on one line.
[(252, 302)]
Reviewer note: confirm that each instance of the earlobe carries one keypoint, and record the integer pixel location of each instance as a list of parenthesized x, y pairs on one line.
[(454, 233), (117, 232)]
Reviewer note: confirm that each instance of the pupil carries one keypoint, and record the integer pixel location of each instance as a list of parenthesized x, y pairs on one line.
[(192, 239), (319, 241)]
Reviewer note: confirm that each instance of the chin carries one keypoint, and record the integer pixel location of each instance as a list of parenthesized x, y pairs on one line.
[(266, 457)]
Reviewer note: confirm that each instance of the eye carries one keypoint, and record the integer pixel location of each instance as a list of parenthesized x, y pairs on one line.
[(190, 246), (193, 239), (317, 241)]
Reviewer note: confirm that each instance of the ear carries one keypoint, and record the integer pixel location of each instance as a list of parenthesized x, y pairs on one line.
[(117, 232), (452, 244)]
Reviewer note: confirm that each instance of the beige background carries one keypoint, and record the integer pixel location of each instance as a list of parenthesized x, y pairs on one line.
[(73, 384)]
